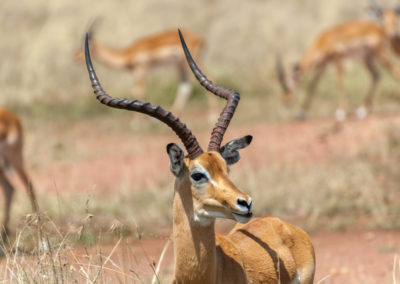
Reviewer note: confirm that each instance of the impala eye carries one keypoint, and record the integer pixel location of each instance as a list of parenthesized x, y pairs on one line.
[(198, 176)]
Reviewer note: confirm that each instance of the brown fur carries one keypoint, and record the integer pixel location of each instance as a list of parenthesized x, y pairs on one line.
[(395, 43), (143, 52), (343, 40), (360, 38), (11, 136), (149, 52), (264, 250)]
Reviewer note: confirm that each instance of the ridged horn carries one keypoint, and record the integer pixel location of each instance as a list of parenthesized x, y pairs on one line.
[(186, 136), (232, 97)]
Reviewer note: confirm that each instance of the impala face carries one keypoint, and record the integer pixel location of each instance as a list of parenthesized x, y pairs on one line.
[(214, 195), (389, 21)]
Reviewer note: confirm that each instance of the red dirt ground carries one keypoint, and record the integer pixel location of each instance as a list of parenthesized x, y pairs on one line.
[(343, 257), (110, 160)]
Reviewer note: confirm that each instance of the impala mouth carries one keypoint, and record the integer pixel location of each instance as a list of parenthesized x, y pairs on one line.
[(242, 218)]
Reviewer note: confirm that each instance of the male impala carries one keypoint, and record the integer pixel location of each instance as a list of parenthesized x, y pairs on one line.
[(366, 39), (11, 142), (146, 53), (262, 250)]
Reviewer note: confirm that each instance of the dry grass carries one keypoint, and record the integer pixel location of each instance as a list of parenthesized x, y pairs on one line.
[(39, 40), (341, 191), (40, 80), (41, 253)]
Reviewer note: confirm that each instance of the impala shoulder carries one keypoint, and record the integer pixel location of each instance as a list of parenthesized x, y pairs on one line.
[(290, 235), (230, 259), (227, 246)]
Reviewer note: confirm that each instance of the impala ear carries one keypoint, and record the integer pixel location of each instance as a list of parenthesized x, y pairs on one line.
[(230, 150), (176, 156)]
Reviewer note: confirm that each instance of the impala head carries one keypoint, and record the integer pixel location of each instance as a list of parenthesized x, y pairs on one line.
[(389, 20), (213, 193), (203, 175), (288, 83), (388, 17)]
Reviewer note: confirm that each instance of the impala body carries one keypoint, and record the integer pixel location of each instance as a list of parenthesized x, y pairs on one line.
[(364, 39), (147, 53), (260, 250), (11, 143)]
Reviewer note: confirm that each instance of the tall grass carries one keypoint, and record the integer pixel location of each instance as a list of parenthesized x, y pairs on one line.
[(41, 253)]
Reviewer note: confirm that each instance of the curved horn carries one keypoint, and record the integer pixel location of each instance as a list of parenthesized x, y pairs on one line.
[(281, 74), (93, 25), (186, 136), (232, 97)]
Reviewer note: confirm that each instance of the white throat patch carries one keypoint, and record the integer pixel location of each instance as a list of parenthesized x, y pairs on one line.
[(205, 218)]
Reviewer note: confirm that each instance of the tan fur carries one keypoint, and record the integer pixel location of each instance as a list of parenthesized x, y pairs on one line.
[(10, 126), (365, 39), (152, 50), (342, 41), (11, 143), (146, 53), (265, 250)]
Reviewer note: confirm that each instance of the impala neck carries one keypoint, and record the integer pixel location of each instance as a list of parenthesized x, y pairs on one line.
[(194, 243), (109, 56)]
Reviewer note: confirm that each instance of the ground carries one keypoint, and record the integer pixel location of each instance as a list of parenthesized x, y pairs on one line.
[(342, 257), (106, 158)]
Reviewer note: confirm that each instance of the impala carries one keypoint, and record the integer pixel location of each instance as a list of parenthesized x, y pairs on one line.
[(261, 250), (11, 142), (365, 39), (145, 54)]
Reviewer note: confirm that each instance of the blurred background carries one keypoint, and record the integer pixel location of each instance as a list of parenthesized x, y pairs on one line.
[(242, 39), (89, 160)]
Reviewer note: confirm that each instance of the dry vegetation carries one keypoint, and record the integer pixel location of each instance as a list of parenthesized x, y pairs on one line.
[(40, 81), (41, 37)]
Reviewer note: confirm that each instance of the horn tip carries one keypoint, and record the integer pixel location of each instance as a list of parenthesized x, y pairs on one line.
[(249, 138), (87, 54), (182, 40), (88, 60)]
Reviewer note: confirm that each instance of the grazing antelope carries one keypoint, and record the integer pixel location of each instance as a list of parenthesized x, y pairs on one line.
[(11, 142), (261, 250), (365, 39), (147, 53)]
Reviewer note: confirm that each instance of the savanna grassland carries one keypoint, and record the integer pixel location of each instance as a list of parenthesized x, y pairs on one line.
[(102, 175)]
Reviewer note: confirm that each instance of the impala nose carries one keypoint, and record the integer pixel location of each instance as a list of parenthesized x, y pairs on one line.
[(244, 205)]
